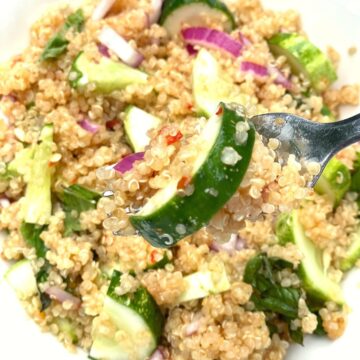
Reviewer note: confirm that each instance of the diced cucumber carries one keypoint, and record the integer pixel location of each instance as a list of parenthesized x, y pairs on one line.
[(22, 163), (107, 75), (217, 173), (36, 207), (137, 124), (334, 182), (137, 317), (67, 327), (205, 283), (304, 58), (175, 13), (353, 253), (325, 111), (210, 85), (311, 269), (21, 278)]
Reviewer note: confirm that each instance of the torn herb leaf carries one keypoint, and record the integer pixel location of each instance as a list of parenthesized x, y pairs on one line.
[(31, 234)]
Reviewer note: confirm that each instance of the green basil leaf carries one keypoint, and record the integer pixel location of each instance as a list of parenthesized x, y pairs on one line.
[(31, 234)]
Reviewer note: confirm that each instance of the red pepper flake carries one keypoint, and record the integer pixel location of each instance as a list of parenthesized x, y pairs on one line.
[(171, 139), (190, 107), (183, 182), (112, 123), (51, 164), (153, 256), (219, 110)]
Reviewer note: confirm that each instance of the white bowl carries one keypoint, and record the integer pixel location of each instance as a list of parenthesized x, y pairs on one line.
[(328, 22)]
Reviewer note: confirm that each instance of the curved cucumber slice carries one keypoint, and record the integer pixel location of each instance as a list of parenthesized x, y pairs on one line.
[(168, 217), (205, 283), (335, 181), (175, 13), (311, 269), (21, 278), (36, 207), (137, 123), (137, 316), (353, 253), (210, 86), (107, 75), (305, 58)]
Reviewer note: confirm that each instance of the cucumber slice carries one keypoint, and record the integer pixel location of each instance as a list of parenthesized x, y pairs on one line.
[(137, 316), (107, 75), (353, 253), (210, 85), (22, 163), (205, 283), (21, 278), (67, 327), (305, 58), (168, 217), (334, 182), (137, 123), (36, 208), (175, 13), (311, 269)]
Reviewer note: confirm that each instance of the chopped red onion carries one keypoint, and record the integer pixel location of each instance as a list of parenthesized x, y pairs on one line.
[(236, 243), (103, 50), (244, 40), (127, 163), (115, 42), (157, 355), (257, 69), (280, 78), (191, 50), (58, 294), (213, 39), (10, 97), (89, 126), (155, 13), (102, 9), (260, 70)]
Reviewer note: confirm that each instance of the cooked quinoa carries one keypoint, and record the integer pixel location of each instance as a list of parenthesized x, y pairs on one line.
[(223, 325)]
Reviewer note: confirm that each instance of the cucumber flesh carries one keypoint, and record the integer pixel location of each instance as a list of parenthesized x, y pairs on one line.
[(22, 163), (36, 208), (205, 283), (210, 85), (175, 13), (68, 328), (139, 319), (335, 181), (304, 58), (311, 269), (353, 253), (107, 75), (137, 124), (21, 278), (168, 216)]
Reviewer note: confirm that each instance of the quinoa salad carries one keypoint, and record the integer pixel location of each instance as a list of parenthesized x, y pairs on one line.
[(144, 216)]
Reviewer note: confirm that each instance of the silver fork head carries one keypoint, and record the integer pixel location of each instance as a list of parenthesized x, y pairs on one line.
[(296, 135)]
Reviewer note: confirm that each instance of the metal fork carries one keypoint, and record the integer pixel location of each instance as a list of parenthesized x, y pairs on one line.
[(307, 140)]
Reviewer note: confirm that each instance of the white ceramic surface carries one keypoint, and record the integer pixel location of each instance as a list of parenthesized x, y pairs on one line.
[(328, 22)]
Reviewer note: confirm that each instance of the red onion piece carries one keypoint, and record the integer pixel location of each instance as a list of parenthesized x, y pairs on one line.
[(248, 66), (236, 243), (155, 13), (60, 295), (157, 355), (260, 70), (244, 40), (89, 126), (280, 78), (127, 163), (115, 42), (213, 39), (191, 50), (103, 50), (102, 9)]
